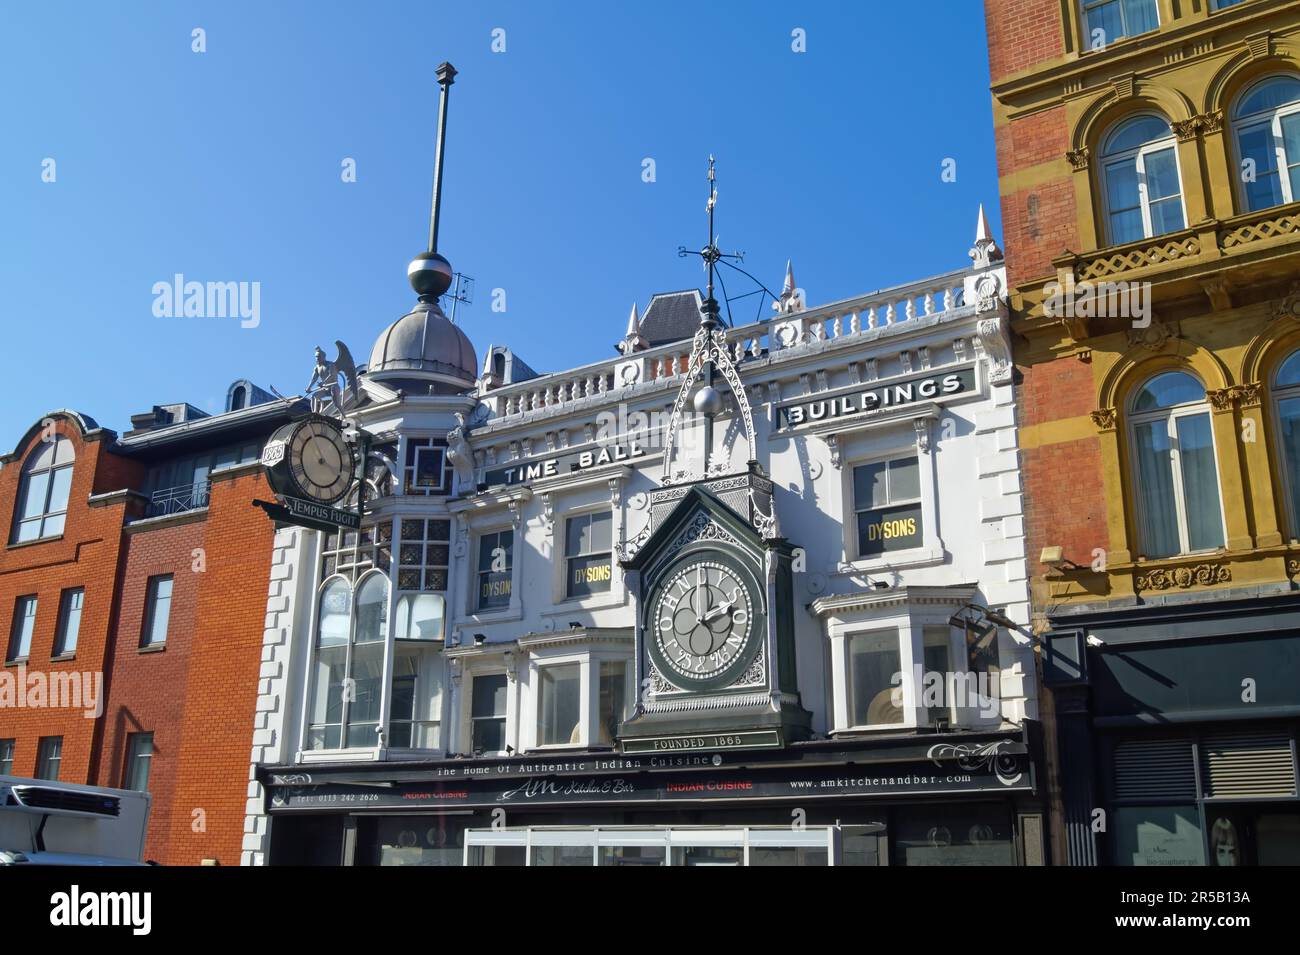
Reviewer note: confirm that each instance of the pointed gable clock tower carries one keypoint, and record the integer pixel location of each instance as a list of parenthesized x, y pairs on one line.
[(711, 578)]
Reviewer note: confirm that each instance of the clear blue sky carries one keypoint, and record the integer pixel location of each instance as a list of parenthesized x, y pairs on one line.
[(225, 166)]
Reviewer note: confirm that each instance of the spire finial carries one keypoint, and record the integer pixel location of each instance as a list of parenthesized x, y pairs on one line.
[(430, 273), (986, 251), (633, 323)]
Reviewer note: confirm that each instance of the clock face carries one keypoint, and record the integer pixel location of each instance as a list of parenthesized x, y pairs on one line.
[(702, 627), (321, 462)]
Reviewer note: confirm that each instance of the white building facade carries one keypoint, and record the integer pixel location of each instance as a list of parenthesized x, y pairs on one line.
[(793, 641)]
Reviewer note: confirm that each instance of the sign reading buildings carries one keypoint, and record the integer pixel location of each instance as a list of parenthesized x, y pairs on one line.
[(876, 396)]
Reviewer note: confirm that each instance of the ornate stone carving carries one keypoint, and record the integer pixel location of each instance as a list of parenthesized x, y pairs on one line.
[(1078, 157), (833, 443), (922, 428), (1199, 575), (996, 349), (1105, 418), (1221, 399), (1288, 307), (1189, 129), (1250, 395), (1155, 336)]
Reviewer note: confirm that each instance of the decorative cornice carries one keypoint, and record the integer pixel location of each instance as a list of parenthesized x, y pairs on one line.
[(1199, 575)]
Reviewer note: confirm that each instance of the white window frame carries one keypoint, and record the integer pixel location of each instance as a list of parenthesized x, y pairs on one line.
[(542, 661), (63, 624), (857, 453), (510, 736), (47, 756), (589, 659), (19, 623), (1138, 156), (1171, 416), (24, 489), (908, 613), (147, 642), (1272, 119), (1086, 5), (511, 607)]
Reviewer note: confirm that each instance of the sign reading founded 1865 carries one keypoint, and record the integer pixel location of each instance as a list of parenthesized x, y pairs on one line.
[(525, 471), (877, 396)]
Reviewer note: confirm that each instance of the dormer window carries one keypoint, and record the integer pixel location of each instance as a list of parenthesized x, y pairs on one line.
[(43, 497)]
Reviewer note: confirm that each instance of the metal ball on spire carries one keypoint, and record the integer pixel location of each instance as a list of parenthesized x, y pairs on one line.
[(429, 274)]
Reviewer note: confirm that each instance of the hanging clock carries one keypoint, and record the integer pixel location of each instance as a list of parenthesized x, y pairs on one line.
[(705, 621), (311, 459)]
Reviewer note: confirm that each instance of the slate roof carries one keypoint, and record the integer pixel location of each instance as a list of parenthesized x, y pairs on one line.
[(671, 317)]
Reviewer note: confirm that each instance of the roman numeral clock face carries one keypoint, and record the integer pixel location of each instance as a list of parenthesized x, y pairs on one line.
[(321, 462), (703, 620)]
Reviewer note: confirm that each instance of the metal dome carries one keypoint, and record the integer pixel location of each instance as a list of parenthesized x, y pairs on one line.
[(424, 343)]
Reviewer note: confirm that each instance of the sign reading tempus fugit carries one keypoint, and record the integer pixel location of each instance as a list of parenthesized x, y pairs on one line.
[(310, 465)]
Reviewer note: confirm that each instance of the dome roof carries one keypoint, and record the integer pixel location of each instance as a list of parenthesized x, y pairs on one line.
[(424, 343)]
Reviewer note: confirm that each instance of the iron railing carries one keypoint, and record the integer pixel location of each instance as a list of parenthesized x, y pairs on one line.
[(176, 500)]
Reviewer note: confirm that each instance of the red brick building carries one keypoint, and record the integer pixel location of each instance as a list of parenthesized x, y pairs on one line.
[(133, 592)]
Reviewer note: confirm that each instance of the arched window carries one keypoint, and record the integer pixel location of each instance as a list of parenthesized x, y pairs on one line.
[(1140, 180), (1266, 129), (1177, 478), (347, 680), (43, 495), (1286, 397), (238, 398)]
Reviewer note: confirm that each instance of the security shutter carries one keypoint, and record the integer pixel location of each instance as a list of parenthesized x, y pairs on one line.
[(1247, 764), (1163, 769)]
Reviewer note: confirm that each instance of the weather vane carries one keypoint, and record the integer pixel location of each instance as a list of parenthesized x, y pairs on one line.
[(713, 256), (710, 351)]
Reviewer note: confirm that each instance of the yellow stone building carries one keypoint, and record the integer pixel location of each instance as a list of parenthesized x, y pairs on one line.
[(1149, 154)]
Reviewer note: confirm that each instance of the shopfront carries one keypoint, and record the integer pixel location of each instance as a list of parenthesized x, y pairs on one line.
[(905, 802), (1177, 732)]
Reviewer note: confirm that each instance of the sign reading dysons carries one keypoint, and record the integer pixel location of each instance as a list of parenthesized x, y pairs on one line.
[(877, 396)]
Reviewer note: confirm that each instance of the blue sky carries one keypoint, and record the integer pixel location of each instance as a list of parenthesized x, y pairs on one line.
[(226, 166)]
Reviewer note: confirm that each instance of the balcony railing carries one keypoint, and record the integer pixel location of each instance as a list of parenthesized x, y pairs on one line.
[(177, 500), (864, 315)]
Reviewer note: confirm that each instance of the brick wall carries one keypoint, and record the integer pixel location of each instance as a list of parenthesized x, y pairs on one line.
[(147, 688), (1022, 34), (225, 657), (85, 555)]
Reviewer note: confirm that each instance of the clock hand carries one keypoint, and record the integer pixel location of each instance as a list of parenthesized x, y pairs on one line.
[(717, 612)]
